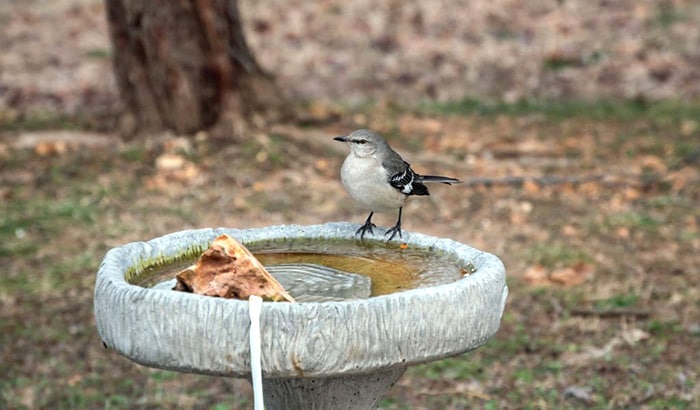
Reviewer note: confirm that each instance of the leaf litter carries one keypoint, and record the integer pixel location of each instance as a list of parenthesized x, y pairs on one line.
[(613, 324)]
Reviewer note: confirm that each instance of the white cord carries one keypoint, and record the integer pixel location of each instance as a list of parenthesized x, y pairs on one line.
[(254, 307)]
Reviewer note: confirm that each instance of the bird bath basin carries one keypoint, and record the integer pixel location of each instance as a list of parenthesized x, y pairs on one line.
[(334, 354)]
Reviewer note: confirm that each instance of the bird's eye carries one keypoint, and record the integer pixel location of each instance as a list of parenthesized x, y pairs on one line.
[(361, 141)]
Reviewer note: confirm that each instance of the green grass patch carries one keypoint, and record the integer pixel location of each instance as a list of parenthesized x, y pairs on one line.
[(668, 14), (623, 300), (42, 215), (633, 220), (26, 229), (390, 402), (684, 152), (134, 153), (459, 367), (43, 121), (524, 375), (600, 110), (557, 254), (98, 53), (664, 328), (163, 375)]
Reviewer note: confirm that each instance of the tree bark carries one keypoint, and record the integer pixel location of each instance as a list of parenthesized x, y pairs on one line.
[(184, 65)]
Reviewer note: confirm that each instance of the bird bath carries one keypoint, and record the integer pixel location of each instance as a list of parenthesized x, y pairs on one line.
[(316, 355)]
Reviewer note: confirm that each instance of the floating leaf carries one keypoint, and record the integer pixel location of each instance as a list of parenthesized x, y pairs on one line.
[(228, 270)]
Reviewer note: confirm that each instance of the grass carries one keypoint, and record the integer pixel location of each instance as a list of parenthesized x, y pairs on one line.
[(634, 220), (662, 113), (557, 254), (618, 301), (667, 14), (42, 121), (23, 220), (98, 53), (457, 368), (55, 228)]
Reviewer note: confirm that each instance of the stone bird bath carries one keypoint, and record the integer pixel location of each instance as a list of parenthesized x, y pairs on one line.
[(315, 355)]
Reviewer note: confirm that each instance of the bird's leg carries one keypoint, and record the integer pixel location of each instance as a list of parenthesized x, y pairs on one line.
[(396, 229), (368, 225)]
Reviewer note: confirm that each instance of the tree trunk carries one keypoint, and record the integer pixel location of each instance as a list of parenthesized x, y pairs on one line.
[(184, 65)]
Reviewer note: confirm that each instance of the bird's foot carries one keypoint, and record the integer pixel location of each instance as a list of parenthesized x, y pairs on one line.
[(368, 226), (396, 229)]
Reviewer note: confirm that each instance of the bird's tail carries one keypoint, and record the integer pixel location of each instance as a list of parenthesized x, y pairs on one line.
[(437, 178)]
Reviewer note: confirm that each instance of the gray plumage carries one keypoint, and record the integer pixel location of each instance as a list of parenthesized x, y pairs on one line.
[(379, 179)]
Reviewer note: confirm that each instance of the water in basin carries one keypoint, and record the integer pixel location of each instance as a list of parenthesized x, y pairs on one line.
[(390, 268)]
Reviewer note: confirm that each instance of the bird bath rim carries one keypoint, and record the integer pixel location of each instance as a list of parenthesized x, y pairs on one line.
[(167, 329)]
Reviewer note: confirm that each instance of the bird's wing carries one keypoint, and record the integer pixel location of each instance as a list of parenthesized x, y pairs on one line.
[(406, 181)]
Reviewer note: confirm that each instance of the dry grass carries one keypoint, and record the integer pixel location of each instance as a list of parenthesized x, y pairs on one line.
[(592, 206), (603, 308)]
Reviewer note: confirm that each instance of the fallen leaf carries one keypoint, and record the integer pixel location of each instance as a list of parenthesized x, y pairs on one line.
[(631, 194), (590, 189), (258, 186), (536, 275), (229, 270), (517, 218), (170, 162), (319, 110), (653, 163), (531, 187), (688, 127), (322, 164), (409, 124), (570, 231), (46, 148), (622, 232), (572, 275), (682, 178)]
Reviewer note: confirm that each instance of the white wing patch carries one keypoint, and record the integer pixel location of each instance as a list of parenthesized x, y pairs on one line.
[(404, 181)]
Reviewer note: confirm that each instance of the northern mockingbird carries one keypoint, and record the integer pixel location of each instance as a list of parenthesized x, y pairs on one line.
[(379, 179)]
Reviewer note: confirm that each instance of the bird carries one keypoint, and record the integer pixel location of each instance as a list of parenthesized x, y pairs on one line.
[(379, 179)]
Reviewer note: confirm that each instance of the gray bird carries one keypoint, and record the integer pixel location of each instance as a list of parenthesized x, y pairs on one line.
[(379, 179)]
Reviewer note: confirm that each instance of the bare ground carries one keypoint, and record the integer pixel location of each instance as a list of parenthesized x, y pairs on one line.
[(56, 54)]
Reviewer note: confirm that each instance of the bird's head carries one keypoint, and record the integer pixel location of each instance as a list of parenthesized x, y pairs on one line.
[(362, 143)]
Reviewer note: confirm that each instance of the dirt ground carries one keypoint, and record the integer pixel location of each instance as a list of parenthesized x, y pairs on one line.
[(56, 53), (593, 207)]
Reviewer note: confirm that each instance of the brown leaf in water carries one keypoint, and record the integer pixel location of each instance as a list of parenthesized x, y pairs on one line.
[(228, 270)]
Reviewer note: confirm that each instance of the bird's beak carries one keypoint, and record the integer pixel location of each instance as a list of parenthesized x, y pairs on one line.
[(341, 138)]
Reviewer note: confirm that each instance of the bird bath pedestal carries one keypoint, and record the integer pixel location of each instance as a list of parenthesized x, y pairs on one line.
[(325, 355)]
